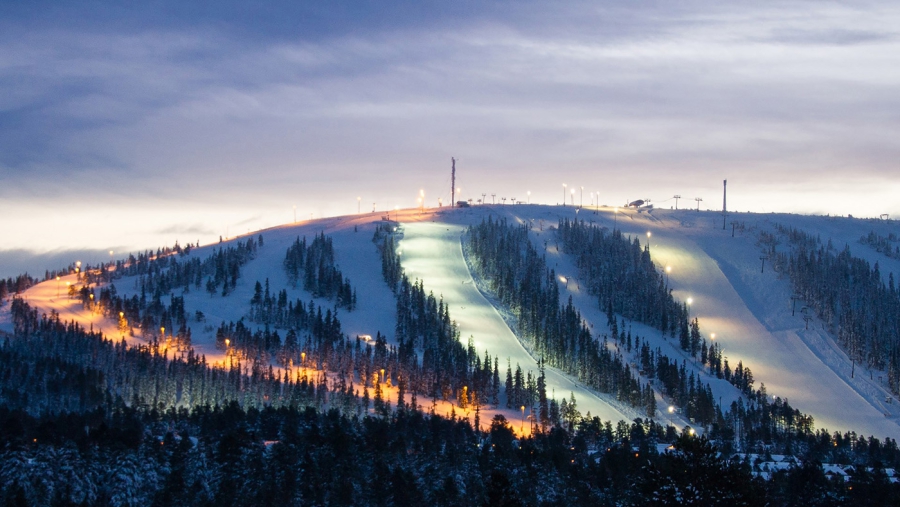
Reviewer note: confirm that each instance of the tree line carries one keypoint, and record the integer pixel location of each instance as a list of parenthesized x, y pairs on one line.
[(848, 294), (71, 437), (91, 421), (432, 357), (15, 285), (506, 261), (883, 244), (314, 264)]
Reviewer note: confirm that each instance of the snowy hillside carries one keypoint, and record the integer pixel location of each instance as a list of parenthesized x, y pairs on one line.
[(748, 310)]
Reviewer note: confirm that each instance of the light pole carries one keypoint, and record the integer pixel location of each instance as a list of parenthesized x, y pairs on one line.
[(581, 199), (529, 197), (648, 240), (57, 287), (573, 197), (668, 270), (522, 427), (564, 193)]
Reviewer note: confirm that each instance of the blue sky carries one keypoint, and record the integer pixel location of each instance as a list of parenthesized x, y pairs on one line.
[(130, 127)]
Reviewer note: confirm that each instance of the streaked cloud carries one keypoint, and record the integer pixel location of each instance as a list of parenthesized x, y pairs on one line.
[(233, 117)]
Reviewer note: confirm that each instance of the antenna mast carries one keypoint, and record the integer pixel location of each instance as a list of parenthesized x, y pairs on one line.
[(724, 207), (453, 182)]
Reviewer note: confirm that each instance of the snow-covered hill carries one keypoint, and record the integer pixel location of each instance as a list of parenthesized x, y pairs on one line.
[(749, 311)]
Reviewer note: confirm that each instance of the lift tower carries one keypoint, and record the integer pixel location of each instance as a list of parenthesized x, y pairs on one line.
[(724, 207), (453, 182)]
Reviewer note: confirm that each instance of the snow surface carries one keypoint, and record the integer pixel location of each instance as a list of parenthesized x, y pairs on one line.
[(749, 311), (432, 252)]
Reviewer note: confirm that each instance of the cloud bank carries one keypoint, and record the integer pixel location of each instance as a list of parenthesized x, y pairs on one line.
[(179, 118)]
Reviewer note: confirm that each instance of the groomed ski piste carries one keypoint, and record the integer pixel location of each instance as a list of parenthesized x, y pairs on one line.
[(746, 307)]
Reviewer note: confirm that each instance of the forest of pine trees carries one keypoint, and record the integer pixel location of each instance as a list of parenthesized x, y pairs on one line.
[(622, 276), (848, 294), (314, 264), (166, 271), (430, 353), (617, 269), (888, 245), (12, 286), (505, 259), (88, 420)]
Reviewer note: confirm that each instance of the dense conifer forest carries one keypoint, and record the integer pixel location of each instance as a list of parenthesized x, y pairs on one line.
[(15, 285), (847, 293), (314, 263), (507, 262), (505, 259), (89, 420), (888, 245)]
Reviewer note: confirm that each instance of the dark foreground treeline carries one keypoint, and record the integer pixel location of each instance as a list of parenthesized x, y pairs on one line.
[(289, 456)]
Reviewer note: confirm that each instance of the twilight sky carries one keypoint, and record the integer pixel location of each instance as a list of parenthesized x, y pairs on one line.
[(131, 128)]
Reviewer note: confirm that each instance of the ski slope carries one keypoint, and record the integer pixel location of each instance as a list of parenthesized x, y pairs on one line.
[(432, 252), (749, 311)]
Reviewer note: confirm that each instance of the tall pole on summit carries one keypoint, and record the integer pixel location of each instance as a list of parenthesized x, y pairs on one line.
[(724, 207), (453, 182)]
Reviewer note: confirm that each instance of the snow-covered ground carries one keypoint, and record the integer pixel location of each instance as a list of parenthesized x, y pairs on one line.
[(431, 251), (749, 311)]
